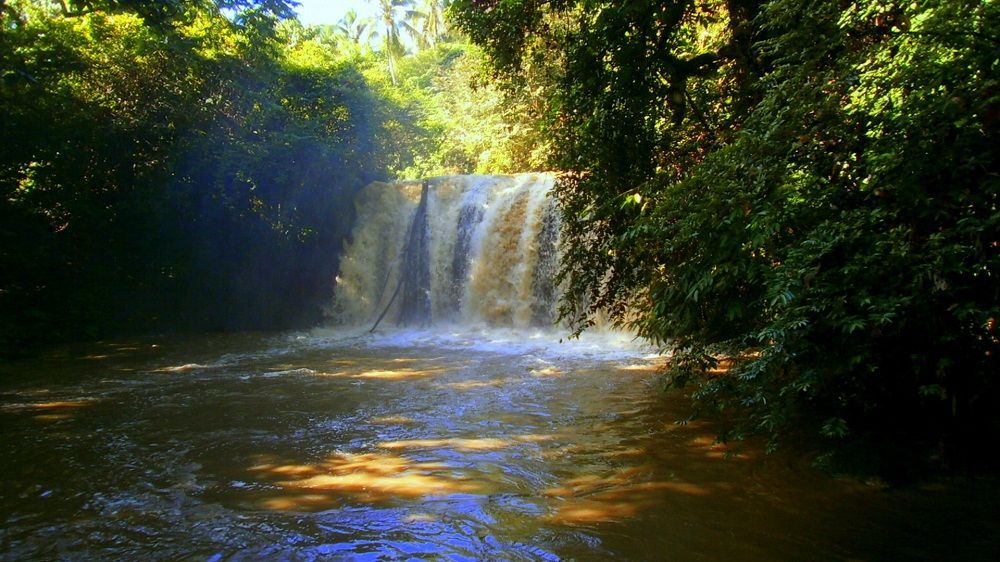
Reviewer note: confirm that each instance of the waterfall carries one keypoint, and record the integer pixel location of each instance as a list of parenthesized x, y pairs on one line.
[(468, 249)]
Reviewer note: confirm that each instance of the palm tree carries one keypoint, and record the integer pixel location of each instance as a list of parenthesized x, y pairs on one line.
[(424, 23), (432, 16), (357, 30), (393, 14)]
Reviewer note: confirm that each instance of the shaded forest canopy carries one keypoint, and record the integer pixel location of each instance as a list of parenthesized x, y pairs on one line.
[(191, 164), (806, 188)]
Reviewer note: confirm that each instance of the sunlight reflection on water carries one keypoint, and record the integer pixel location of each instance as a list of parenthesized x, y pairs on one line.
[(392, 446)]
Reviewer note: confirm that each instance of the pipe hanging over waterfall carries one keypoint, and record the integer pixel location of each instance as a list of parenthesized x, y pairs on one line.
[(415, 275), (467, 249)]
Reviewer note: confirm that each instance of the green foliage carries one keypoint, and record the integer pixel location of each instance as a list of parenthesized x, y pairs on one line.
[(470, 125), (192, 164), (196, 173), (807, 188)]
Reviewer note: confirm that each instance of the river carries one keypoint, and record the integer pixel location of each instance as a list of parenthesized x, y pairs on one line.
[(419, 445)]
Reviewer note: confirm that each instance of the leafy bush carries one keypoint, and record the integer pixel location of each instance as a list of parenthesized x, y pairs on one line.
[(807, 189)]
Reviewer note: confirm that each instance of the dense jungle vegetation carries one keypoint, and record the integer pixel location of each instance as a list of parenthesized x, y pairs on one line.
[(191, 164), (806, 188), (799, 196)]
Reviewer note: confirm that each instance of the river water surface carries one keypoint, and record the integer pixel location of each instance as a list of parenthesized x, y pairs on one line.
[(419, 446)]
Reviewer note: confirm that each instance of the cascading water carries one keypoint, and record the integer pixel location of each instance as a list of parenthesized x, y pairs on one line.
[(468, 249)]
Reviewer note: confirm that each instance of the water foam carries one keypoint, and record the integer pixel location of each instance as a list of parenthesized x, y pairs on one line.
[(548, 344)]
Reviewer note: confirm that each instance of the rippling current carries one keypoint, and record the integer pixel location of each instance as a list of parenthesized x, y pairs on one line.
[(419, 445)]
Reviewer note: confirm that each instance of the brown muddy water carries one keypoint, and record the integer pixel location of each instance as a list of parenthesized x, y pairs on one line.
[(419, 446)]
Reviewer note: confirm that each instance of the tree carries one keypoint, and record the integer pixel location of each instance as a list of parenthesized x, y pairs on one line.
[(164, 11), (393, 21), (178, 174), (430, 23), (807, 189), (357, 30)]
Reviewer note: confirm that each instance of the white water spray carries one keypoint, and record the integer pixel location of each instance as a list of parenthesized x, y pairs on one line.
[(492, 256)]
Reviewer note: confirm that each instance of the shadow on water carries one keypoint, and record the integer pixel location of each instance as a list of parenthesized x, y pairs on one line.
[(276, 447)]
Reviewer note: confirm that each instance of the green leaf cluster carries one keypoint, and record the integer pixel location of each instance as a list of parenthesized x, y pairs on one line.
[(806, 189), (188, 168)]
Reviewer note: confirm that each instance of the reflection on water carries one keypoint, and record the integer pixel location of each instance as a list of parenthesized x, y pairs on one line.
[(278, 447), (367, 477), (619, 495)]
